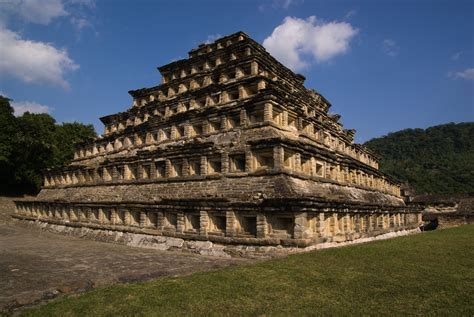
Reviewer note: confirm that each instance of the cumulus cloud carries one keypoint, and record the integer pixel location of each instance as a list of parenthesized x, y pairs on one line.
[(456, 56), (35, 11), (28, 106), (467, 74), (33, 61), (45, 11), (390, 47), (297, 42), (21, 107)]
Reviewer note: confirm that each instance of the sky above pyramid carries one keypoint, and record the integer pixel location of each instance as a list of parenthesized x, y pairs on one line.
[(384, 65)]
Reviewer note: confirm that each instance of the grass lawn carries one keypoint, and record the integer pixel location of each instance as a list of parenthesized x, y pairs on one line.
[(425, 274)]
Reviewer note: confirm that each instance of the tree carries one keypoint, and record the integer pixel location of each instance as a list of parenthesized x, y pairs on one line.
[(32, 143), (67, 136), (35, 149), (8, 129), (438, 160)]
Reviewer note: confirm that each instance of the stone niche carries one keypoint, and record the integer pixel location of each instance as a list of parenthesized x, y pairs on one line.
[(107, 215), (170, 221), (246, 224), (263, 159), (134, 218), (217, 223), (237, 163), (151, 219), (281, 226), (120, 217), (192, 222)]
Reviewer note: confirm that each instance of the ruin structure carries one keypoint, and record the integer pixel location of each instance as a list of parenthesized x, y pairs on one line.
[(230, 149)]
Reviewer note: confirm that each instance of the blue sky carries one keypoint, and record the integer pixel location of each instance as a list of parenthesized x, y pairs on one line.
[(384, 65)]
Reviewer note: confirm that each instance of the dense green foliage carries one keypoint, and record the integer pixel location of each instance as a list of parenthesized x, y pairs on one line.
[(438, 160), (425, 274), (31, 143), (8, 128)]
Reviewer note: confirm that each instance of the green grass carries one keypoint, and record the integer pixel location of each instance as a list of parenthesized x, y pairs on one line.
[(425, 274)]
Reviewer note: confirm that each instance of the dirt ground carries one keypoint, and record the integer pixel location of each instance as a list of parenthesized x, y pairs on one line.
[(36, 266)]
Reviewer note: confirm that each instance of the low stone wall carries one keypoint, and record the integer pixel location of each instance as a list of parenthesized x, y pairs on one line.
[(445, 212), (447, 220), (217, 227), (209, 248)]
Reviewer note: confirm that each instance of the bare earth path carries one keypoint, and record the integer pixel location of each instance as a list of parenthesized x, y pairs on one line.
[(36, 266)]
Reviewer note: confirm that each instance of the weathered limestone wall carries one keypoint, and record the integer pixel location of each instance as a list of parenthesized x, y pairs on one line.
[(278, 223), (448, 220), (199, 247), (194, 157), (232, 188), (447, 211)]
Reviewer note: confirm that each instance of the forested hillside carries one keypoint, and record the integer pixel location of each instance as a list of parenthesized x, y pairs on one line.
[(437, 160), (31, 143)]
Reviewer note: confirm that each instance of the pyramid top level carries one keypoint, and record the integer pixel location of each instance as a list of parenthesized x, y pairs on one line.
[(219, 43), (236, 42)]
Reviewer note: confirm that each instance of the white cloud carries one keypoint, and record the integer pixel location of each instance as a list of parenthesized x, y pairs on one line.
[(297, 42), (33, 61), (35, 11), (467, 74), (86, 3), (279, 4), (81, 15), (29, 106), (45, 11), (350, 14), (390, 47), (456, 56), (80, 23), (283, 3), (211, 38)]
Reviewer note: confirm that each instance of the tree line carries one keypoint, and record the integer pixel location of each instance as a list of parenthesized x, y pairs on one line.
[(437, 160), (32, 143)]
